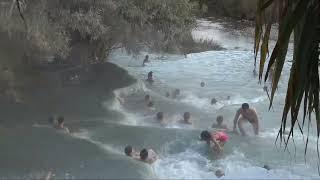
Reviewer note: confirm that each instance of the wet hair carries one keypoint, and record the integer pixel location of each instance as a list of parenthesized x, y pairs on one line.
[(147, 97), (60, 119), (51, 120), (150, 104), (219, 173), (213, 101), (267, 167), (245, 106), (186, 115), (160, 115), (144, 154), (202, 84), (205, 136), (128, 150), (219, 119)]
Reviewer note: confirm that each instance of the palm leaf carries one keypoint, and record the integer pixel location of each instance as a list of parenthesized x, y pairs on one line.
[(302, 18)]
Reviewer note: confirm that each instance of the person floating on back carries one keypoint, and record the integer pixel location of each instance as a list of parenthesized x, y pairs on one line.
[(146, 60), (60, 125), (219, 124), (186, 118), (150, 77), (148, 156), (246, 114)]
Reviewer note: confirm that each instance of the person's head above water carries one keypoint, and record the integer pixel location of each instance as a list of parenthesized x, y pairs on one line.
[(205, 136), (144, 154), (186, 116), (245, 106), (177, 91), (219, 173), (213, 101), (202, 84), (128, 150), (147, 56), (150, 74), (160, 116), (150, 104), (60, 120), (147, 97), (219, 119)]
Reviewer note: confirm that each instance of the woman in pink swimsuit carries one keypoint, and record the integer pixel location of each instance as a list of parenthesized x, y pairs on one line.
[(216, 140)]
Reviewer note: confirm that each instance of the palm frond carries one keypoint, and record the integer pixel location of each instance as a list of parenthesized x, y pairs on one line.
[(300, 17)]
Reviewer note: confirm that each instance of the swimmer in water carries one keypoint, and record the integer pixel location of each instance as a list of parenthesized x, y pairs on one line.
[(51, 121), (60, 125), (148, 156), (186, 118), (160, 118), (213, 101), (219, 173), (215, 140), (202, 84), (129, 151), (146, 60), (246, 114), (219, 124), (150, 77), (176, 93), (147, 98)]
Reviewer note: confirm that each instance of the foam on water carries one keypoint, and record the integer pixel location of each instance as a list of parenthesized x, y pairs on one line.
[(185, 165), (226, 73)]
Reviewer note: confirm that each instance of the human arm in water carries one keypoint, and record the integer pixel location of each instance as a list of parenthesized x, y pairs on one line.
[(236, 117), (216, 146), (256, 122)]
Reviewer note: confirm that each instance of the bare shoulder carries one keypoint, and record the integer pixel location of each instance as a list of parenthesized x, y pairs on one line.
[(253, 110)]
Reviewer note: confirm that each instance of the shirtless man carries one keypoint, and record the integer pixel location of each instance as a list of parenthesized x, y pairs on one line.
[(246, 114)]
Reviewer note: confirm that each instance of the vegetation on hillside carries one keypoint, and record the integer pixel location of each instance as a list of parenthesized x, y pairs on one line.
[(73, 33)]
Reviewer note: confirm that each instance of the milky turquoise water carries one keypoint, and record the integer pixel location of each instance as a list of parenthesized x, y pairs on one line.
[(95, 148)]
